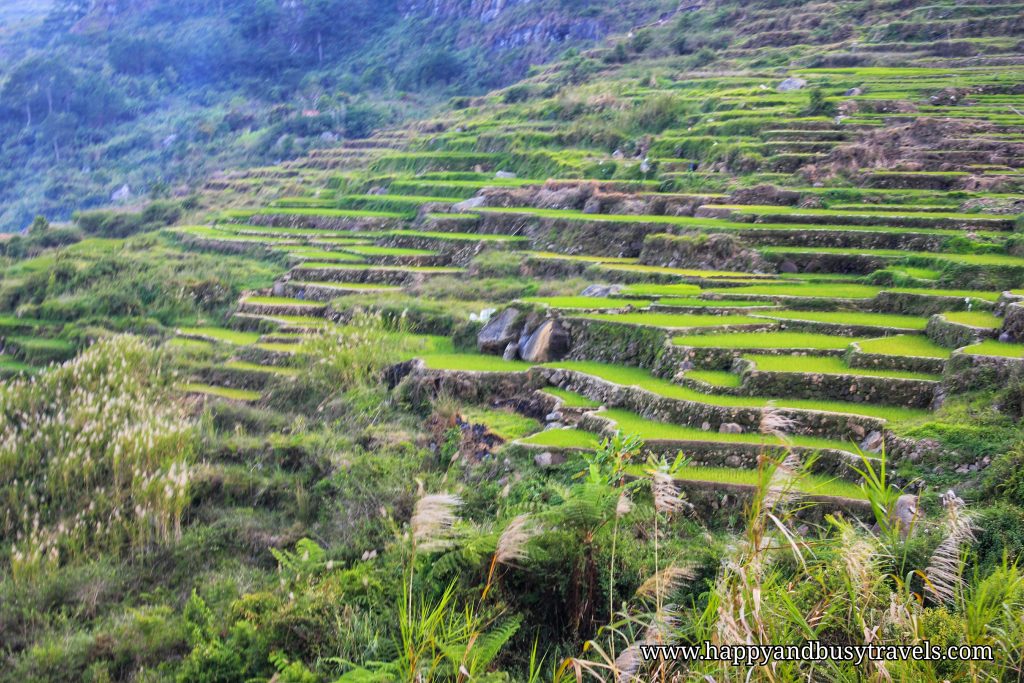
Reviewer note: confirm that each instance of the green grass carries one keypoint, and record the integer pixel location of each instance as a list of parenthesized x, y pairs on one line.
[(630, 376), (904, 345), (991, 347), (194, 344), (221, 392), (763, 210), (349, 286), (675, 320), (649, 430), (564, 438), (718, 378), (680, 272), (661, 290), (507, 424), (712, 303), (811, 484), (472, 362), (766, 340), (571, 399), (827, 365), (221, 334), (883, 320), (974, 319), (585, 302), (312, 254), (815, 290)]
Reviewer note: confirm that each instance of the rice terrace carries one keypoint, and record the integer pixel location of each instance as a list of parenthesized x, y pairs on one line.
[(478, 341)]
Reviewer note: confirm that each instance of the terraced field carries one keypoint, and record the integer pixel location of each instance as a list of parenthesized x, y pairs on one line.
[(669, 270)]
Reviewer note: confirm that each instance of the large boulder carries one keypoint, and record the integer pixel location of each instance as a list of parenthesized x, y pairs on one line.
[(500, 331), (791, 83), (549, 341)]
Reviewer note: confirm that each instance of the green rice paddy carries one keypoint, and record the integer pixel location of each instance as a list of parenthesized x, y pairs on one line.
[(564, 438), (675, 320), (904, 345), (221, 334), (766, 340), (991, 347), (221, 392), (974, 319), (883, 320), (827, 365)]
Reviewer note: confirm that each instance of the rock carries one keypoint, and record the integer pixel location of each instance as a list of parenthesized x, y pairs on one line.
[(505, 174), (511, 351), (791, 83), (122, 194), (733, 461), (853, 92), (601, 290), (857, 430), (548, 459), (554, 425), (705, 426), (555, 416), (872, 442), (549, 342), (500, 331), (1007, 338), (904, 513), (788, 266), (592, 205), (396, 373), (730, 428), (468, 204), (278, 288)]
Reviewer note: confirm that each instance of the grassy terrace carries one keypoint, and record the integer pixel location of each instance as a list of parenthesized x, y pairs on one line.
[(328, 213), (716, 224), (679, 272), (827, 365), (675, 320), (649, 430), (882, 320), (631, 376), (971, 259), (974, 319), (904, 345), (221, 392), (763, 210), (571, 399), (811, 484), (563, 438), (807, 341), (221, 334), (991, 347), (371, 250), (585, 302), (314, 254), (689, 302), (674, 290)]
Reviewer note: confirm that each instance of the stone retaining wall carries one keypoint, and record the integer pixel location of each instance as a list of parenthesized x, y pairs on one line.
[(924, 304), (701, 415), (969, 372), (280, 309), (858, 359), (910, 393), (723, 359), (1013, 321), (375, 276), (954, 335)]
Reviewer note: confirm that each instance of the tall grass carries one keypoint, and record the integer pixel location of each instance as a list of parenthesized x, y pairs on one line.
[(94, 458)]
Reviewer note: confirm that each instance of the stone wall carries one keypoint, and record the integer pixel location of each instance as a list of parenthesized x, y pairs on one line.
[(702, 415), (375, 276), (856, 358), (954, 335), (969, 372), (280, 309), (716, 251), (924, 304), (609, 342), (910, 393), (723, 359), (1013, 321)]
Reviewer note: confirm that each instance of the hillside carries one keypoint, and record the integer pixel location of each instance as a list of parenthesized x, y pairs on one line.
[(154, 95), (709, 332)]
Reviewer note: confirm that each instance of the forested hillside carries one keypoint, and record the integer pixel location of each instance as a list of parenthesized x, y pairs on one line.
[(152, 95), (710, 331)]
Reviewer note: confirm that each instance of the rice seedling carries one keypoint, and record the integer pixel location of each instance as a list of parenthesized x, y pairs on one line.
[(991, 347), (887, 320), (904, 345), (827, 365), (766, 340), (675, 320), (974, 319), (220, 392), (220, 334)]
